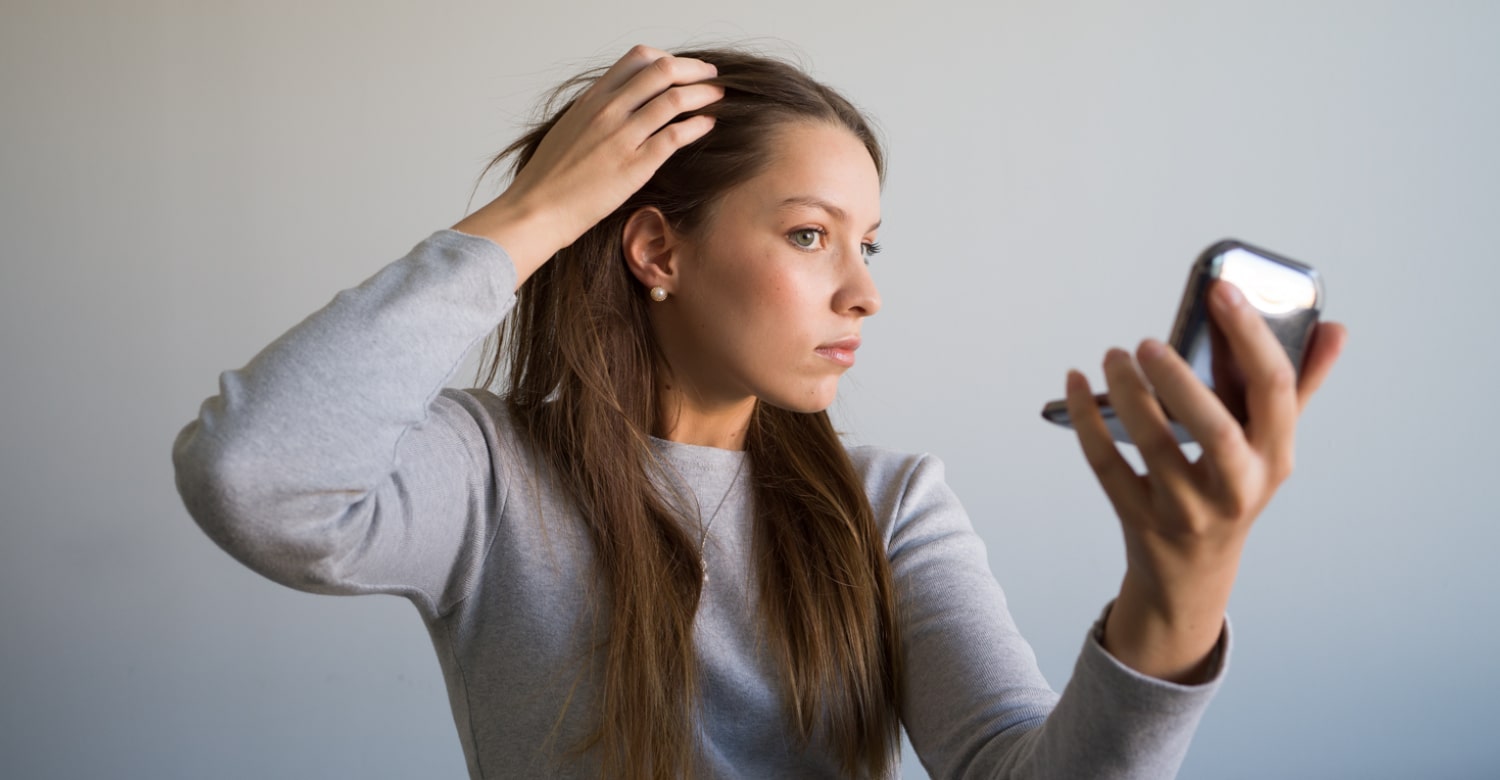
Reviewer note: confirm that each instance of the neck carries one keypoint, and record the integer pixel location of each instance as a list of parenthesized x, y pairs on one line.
[(687, 417)]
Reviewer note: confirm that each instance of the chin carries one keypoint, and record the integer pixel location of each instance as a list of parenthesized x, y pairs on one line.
[(802, 408), (804, 403)]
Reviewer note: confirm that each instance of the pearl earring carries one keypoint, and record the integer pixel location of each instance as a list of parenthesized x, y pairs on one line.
[(658, 293)]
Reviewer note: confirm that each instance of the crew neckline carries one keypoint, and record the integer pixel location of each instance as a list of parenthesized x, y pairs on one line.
[(699, 457)]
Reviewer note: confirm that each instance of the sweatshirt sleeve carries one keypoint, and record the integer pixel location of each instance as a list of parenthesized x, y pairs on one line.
[(335, 462), (976, 704)]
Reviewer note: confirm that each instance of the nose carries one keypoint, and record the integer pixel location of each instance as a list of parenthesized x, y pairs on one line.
[(858, 294)]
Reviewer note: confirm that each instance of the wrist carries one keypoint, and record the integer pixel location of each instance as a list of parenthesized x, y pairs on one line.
[(526, 234), (1180, 592), (1167, 632), (1181, 578)]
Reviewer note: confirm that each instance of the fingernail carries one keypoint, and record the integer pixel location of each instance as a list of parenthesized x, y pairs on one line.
[(1229, 295), (1114, 355), (1152, 349), (1076, 382)]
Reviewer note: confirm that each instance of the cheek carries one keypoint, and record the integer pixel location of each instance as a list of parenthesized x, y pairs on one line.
[(759, 292), (778, 304), (762, 311)]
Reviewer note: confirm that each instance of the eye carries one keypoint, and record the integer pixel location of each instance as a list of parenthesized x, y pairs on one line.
[(871, 249), (806, 238)]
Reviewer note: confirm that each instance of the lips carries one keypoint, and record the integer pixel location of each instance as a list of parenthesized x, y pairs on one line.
[(847, 345), (841, 352)]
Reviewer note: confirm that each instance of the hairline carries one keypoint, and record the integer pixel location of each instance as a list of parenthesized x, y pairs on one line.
[(710, 210)]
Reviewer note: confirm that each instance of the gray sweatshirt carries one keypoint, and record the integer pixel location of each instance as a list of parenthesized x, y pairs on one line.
[(337, 462)]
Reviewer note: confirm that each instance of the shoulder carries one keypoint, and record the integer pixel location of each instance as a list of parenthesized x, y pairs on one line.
[(887, 471), (902, 486), (478, 416), (483, 421)]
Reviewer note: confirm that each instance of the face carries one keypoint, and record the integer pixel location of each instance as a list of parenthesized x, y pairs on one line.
[(773, 289)]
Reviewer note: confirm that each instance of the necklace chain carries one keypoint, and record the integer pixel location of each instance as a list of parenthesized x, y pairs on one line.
[(703, 540)]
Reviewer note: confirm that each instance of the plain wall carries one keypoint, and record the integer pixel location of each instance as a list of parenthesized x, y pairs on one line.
[(182, 182)]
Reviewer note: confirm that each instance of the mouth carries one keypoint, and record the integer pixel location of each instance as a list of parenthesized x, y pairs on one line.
[(840, 352)]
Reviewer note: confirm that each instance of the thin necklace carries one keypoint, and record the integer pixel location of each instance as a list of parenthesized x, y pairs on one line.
[(703, 540)]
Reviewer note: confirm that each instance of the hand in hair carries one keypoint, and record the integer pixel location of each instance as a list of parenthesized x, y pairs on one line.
[(1185, 522), (597, 154)]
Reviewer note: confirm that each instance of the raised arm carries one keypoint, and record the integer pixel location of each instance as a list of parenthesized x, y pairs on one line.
[(331, 462), (334, 461), (976, 706), (1185, 522), (975, 702)]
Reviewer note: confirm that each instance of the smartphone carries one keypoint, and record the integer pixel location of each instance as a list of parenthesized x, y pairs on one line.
[(1288, 294)]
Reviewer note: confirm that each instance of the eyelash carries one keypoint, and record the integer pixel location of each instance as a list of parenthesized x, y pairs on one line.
[(869, 249)]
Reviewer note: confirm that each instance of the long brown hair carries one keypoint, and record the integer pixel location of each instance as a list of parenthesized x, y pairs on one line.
[(583, 368)]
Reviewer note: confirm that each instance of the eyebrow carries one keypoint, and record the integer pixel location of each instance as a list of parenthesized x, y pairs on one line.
[(807, 201)]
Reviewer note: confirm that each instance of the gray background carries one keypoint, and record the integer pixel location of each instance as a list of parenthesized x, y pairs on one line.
[(184, 181)]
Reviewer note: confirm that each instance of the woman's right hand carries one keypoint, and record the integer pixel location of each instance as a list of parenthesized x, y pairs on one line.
[(600, 152)]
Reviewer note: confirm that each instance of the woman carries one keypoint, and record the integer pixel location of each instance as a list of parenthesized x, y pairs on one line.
[(651, 556)]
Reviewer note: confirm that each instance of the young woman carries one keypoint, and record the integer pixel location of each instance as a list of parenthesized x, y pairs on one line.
[(650, 555)]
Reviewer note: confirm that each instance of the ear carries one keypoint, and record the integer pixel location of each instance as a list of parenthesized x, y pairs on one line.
[(651, 248)]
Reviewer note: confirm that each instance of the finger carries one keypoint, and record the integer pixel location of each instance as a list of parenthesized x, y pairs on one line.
[(1138, 410), (1270, 379), (625, 68), (673, 103), (658, 77), (1115, 474), (674, 136), (1194, 405), (1327, 344)]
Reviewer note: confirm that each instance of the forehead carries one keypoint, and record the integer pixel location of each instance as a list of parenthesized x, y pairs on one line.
[(813, 163)]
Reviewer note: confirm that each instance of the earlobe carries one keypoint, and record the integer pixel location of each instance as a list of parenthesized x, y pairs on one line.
[(650, 248)]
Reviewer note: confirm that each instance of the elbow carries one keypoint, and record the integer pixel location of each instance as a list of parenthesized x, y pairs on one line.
[(234, 499), (195, 466), (212, 488)]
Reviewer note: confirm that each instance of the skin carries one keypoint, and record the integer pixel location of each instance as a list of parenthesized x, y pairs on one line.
[(748, 306), (778, 271), (1185, 522)]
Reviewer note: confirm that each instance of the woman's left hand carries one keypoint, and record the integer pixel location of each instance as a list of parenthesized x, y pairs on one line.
[(1185, 521)]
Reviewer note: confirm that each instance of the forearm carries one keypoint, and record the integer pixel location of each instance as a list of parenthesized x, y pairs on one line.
[(526, 233), (1167, 626)]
